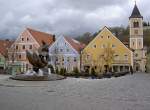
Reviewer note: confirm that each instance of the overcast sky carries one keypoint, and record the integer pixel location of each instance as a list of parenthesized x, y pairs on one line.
[(68, 17)]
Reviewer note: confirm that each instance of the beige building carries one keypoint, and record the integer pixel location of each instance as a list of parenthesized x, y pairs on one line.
[(30, 40), (136, 40), (105, 52)]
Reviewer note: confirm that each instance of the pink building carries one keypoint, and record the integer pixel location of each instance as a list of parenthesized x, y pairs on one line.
[(30, 40)]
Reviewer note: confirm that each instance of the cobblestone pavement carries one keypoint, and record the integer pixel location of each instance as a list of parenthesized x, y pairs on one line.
[(130, 92)]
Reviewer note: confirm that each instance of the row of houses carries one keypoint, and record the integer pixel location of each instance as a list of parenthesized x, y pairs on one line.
[(104, 52), (66, 52)]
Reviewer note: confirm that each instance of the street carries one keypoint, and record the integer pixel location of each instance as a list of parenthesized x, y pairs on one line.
[(130, 92)]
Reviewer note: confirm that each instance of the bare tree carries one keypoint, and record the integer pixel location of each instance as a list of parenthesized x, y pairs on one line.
[(108, 57)]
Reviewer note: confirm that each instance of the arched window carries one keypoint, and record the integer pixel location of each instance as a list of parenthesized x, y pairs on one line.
[(135, 24)]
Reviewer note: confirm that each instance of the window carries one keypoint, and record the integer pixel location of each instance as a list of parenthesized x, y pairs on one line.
[(116, 57), (30, 47), (23, 47), (56, 49), (56, 58), (94, 46), (68, 59), (145, 54), (101, 56), (27, 39), (75, 59), (108, 37), (49, 58), (19, 56), (61, 50), (88, 56), (27, 66), (126, 57), (22, 39), (136, 55), (113, 45), (16, 47), (67, 50), (135, 24), (104, 46), (62, 59), (139, 43), (133, 43)]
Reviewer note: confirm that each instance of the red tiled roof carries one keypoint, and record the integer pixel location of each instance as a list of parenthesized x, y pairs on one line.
[(4, 45), (78, 46), (41, 37)]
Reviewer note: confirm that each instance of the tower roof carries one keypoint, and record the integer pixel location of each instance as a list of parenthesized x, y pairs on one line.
[(136, 13)]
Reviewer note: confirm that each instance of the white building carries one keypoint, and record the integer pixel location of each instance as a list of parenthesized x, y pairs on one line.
[(65, 53)]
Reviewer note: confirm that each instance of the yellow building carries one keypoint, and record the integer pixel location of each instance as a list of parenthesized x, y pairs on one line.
[(106, 52)]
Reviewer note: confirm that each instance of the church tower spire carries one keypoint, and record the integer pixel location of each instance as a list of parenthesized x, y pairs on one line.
[(136, 13)]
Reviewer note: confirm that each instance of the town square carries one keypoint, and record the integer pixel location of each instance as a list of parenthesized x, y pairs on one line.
[(69, 61)]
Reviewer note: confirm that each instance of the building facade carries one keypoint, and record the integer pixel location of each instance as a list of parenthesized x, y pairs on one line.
[(136, 40), (106, 50), (4, 46), (29, 40), (65, 53)]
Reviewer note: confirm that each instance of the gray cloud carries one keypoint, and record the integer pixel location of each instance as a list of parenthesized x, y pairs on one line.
[(69, 17)]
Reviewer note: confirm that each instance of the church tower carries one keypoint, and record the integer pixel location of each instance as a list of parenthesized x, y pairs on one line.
[(136, 29), (136, 40)]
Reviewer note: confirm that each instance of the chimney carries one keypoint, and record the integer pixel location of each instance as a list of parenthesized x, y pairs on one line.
[(6, 39), (54, 37)]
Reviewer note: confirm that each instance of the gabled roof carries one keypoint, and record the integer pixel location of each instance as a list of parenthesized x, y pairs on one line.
[(41, 37), (106, 29), (4, 45), (78, 46), (136, 13)]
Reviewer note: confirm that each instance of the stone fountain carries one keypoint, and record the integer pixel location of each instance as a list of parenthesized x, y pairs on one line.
[(40, 71)]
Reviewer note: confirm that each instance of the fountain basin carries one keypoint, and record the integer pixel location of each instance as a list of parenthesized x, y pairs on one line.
[(24, 77)]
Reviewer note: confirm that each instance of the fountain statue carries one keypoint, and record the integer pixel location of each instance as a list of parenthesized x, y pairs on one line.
[(40, 71)]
